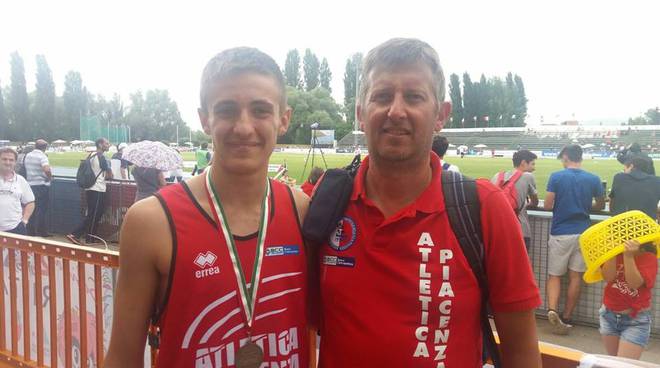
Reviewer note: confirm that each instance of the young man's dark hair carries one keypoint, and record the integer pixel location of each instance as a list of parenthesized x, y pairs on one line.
[(440, 145), (41, 144), (523, 155), (232, 62), (315, 175), (205, 145), (640, 162), (572, 151)]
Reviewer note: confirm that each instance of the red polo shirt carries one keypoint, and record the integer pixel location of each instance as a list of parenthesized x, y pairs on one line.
[(398, 292)]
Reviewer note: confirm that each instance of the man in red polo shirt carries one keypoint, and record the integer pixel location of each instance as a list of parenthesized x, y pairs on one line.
[(396, 290)]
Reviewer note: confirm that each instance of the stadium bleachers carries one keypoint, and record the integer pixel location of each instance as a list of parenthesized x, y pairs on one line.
[(546, 139)]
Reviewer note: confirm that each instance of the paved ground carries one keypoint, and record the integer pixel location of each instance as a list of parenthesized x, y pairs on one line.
[(587, 339)]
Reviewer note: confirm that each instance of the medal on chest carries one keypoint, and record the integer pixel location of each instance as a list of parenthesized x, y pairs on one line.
[(249, 355)]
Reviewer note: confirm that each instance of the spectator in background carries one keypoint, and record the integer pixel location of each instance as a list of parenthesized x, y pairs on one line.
[(20, 161), (16, 198), (39, 176), (94, 195), (569, 196), (148, 181), (625, 317), (203, 158), (524, 163), (314, 176), (123, 164), (440, 145), (635, 188)]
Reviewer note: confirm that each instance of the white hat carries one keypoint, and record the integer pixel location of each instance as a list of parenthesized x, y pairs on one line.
[(122, 146)]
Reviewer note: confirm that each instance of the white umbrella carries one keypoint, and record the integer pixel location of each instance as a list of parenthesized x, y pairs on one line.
[(480, 146), (59, 141), (451, 145), (588, 145), (153, 155)]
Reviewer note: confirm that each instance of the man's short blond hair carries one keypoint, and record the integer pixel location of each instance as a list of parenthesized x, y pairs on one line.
[(401, 52)]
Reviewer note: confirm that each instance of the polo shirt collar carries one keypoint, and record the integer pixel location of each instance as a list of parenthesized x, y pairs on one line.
[(430, 201)]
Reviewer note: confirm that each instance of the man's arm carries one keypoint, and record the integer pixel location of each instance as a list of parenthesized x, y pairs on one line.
[(27, 212), (599, 205), (124, 173), (549, 202), (143, 239), (518, 339), (533, 201)]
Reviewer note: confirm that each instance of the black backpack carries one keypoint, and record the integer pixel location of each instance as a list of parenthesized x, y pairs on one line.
[(85, 176), (330, 200), (20, 167)]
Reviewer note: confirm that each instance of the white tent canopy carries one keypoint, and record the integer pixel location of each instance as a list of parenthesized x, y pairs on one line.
[(480, 146)]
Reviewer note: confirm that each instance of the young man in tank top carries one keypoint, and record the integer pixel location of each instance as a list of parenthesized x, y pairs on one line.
[(217, 263)]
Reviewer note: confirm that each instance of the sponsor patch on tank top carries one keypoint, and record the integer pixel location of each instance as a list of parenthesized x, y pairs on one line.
[(282, 250)]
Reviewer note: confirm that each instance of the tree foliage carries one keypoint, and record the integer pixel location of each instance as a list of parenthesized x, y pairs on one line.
[(351, 83), (316, 106), (312, 70), (43, 109), (20, 126), (326, 75), (4, 119), (292, 69), (491, 102)]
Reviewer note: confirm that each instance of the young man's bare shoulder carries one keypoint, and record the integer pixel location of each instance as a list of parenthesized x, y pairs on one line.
[(145, 227)]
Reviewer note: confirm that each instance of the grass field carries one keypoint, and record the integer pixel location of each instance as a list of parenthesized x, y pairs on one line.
[(472, 166)]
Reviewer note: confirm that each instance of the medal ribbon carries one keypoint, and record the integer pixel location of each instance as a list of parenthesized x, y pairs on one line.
[(248, 295)]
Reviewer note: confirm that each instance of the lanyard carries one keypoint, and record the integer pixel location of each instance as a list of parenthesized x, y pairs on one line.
[(248, 296)]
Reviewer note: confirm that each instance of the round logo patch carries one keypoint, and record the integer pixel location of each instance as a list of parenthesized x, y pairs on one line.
[(345, 234)]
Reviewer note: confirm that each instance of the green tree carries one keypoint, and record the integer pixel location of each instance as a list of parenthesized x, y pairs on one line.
[(155, 116), (456, 120), (4, 120), (292, 69), (653, 116), (469, 102), (351, 83), (19, 104), (520, 107), (43, 111), (74, 100), (311, 68), (310, 107), (325, 75)]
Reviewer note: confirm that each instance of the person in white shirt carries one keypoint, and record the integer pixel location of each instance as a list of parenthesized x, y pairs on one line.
[(39, 176), (16, 197), (440, 145), (95, 195)]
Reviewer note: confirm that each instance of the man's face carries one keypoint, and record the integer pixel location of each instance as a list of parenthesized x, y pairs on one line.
[(400, 113), (243, 116), (528, 166), (7, 162), (105, 145)]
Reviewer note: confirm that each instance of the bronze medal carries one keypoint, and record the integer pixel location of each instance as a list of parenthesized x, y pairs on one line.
[(249, 355)]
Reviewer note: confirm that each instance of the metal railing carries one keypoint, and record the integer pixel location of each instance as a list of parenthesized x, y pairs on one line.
[(591, 296)]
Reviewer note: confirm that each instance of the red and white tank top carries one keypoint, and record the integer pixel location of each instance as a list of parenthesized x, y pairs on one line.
[(202, 324)]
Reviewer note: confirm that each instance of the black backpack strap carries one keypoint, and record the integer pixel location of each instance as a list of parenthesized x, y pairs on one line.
[(463, 211)]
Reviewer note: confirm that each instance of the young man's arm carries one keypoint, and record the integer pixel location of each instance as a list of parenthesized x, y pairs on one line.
[(549, 202), (599, 196), (599, 204), (105, 166), (45, 166), (144, 237)]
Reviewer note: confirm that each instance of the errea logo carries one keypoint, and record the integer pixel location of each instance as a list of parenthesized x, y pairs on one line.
[(205, 261)]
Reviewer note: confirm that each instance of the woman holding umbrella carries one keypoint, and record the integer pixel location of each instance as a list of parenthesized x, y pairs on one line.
[(150, 160), (148, 181)]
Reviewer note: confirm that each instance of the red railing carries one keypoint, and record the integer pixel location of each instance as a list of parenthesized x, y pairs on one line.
[(50, 333)]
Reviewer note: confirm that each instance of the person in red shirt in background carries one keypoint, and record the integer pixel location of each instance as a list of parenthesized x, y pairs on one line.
[(396, 289), (625, 317), (314, 176)]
